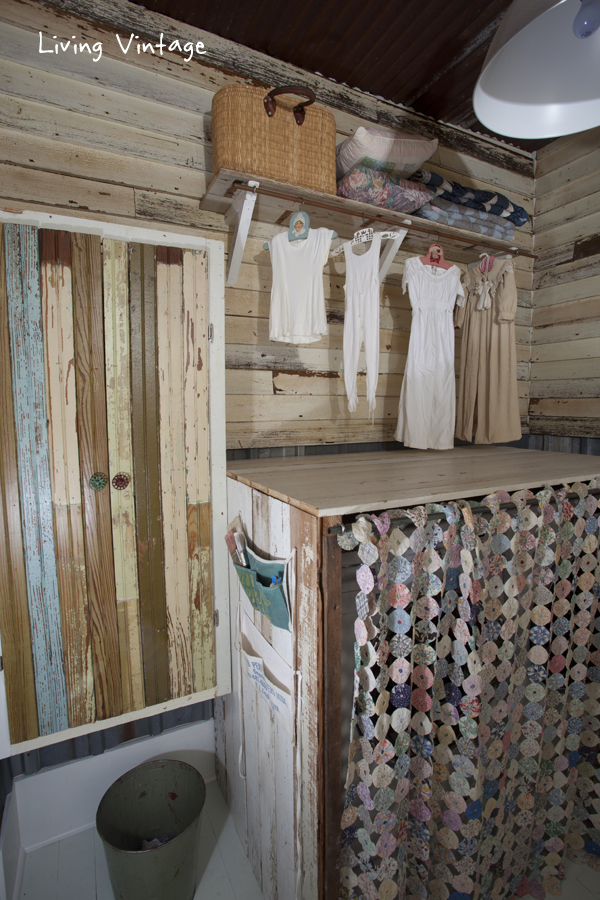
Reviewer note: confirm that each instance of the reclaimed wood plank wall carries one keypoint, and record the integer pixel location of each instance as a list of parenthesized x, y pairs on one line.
[(128, 139), (88, 631), (565, 351)]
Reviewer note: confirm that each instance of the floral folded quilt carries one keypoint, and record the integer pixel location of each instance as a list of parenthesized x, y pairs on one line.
[(382, 189)]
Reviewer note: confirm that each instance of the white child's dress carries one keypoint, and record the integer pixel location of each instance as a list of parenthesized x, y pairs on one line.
[(297, 296), (427, 399)]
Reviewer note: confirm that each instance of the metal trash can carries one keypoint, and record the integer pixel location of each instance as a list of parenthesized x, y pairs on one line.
[(159, 799)]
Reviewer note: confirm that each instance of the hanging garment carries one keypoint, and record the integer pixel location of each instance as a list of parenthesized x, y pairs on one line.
[(488, 401), (427, 398), (473, 762), (361, 319), (297, 296)]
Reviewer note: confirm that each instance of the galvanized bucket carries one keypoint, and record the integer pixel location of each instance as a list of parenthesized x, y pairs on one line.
[(161, 798)]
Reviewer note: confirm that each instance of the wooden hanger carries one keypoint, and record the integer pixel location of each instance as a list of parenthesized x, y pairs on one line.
[(435, 257)]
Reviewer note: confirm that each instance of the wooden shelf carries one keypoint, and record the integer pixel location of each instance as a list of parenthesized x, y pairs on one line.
[(276, 201)]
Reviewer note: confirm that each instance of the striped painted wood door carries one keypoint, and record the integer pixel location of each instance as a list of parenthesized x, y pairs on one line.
[(105, 526)]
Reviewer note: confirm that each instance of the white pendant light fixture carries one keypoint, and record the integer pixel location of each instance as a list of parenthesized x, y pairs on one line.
[(541, 76)]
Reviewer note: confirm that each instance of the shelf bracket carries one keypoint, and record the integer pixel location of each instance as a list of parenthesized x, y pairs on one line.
[(240, 213)]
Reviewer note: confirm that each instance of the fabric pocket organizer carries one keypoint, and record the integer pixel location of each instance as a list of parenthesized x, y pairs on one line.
[(268, 598)]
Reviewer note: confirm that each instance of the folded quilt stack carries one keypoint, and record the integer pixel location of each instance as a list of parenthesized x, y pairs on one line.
[(447, 213), (472, 198)]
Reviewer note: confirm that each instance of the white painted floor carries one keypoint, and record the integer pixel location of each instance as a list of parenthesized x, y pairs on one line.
[(75, 868)]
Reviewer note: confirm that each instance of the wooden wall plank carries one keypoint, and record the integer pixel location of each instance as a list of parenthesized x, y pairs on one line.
[(93, 455), (45, 120), (17, 183), (562, 313), (584, 348), (65, 476), (169, 315), (197, 459), (574, 387), (98, 166), (147, 476), (14, 611), (27, 356), (574, 408), (305, 537), (331, 747), (120, 455)]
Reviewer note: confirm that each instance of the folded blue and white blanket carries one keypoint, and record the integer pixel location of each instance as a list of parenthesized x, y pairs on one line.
[(440, 210), (472, 198)]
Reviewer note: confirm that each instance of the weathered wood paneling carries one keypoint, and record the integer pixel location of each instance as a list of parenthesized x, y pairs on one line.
[(93, 455), (115, 256), (146, 471), (170, 330), (65, 475), (197, 453), (565, 353), (29, 393), (129, 138), (14, 610)]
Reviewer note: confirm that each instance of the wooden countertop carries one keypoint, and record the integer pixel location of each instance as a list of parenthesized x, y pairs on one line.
[(336, 484)]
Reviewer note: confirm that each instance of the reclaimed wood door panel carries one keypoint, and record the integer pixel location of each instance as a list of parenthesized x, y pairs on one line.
[(14, 611), (169, 308), (309, 611), (29, 394), (197, 452), (93, 453), (115, 255), (146, 471), (57, 311)]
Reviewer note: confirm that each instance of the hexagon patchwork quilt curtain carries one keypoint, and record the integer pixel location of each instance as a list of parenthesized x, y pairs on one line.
[(474, 765)]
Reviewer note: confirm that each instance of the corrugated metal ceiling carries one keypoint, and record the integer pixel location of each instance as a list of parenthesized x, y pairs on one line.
[(425, 54)]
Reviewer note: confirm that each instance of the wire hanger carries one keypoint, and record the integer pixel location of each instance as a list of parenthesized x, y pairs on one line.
[(366, 234)]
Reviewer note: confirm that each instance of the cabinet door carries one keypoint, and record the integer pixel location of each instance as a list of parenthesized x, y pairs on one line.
[(105, 473)]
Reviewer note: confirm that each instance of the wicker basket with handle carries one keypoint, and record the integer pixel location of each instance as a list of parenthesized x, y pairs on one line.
[(278, 139)]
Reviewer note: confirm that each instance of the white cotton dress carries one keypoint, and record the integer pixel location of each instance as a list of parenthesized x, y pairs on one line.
[(427, 399), (297, 296)]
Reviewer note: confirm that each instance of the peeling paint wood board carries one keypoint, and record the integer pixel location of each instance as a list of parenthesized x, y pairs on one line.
[(308, 434), (45, 120), (239, 499), (170, 330), (146, 472), (93, 456), (571, 311), (68, 92), (199, 522), (14, 611), (568, 427), (569, 209), (195, 350), (145, 77), (286, 813), (331, 741), (101, 166), (27, 357), (197, 451), (267, 766), (565, 369), (571, 332), (585, 226), (254, 787), (584, 348), (115, 256), (23, 185), (575, 387), (578, 289), (305, 537), (564, 150), (573, 407), (65, 476)]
